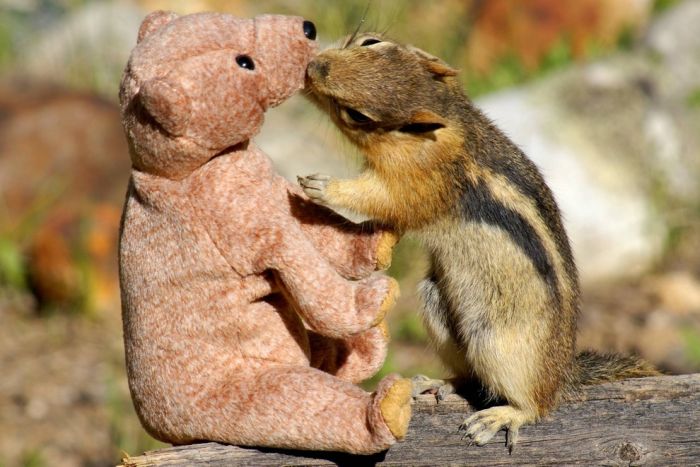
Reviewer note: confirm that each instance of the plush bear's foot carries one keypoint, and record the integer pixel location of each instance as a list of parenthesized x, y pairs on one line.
[(385, 247), (395, 407)]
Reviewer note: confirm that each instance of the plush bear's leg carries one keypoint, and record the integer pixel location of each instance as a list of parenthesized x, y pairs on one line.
[(305, 408), (353, 359)]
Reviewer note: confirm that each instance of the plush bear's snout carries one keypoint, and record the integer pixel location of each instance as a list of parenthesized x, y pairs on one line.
[(284, 46)]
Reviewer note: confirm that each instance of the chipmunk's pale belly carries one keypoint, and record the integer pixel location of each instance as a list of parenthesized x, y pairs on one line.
[(488, 288)]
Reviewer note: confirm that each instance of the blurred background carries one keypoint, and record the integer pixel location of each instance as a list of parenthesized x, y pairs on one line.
[(604, 95)]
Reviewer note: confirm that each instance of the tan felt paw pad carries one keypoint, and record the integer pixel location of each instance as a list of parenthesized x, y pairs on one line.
[(396, 408), (389, 301), (384, 328), (385, 248)]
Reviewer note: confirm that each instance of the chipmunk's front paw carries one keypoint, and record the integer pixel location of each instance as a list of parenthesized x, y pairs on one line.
[(316, 187)]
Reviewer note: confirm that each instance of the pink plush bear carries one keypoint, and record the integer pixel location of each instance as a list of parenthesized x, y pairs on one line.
[(240, 323)]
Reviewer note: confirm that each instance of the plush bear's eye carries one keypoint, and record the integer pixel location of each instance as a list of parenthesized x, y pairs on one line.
[(246, 62), (309, 30), (369, 41)]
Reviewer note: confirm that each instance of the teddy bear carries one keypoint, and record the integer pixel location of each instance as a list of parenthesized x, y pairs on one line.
[(248, 311)]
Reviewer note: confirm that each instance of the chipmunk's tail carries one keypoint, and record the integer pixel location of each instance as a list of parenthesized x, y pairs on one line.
[(594, 368)]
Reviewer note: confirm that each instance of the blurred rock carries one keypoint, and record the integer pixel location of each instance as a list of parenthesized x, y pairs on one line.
[(86, 49), (64, 167), (676, 292), (612, 225), (655, 319), (614, 142), (673, 40)]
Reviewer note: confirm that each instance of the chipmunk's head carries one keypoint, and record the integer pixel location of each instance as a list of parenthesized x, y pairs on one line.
[(376, 90)]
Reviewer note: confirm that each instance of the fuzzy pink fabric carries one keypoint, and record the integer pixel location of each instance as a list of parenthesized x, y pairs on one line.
[(240, 322)]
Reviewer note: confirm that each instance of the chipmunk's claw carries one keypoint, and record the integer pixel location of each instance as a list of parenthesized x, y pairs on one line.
[(484, 424), (512, 439), (315, 186)]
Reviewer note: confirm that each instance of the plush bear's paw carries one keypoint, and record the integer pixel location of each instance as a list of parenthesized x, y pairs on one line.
[(385, 247), (384, 330), (316, 187), (395, 407), (375, 296), (392, 293)]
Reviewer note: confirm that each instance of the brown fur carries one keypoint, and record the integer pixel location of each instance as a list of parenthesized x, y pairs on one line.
[(240, 323), (502, 296)]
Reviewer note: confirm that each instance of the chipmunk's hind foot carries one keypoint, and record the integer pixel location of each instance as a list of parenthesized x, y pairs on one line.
[(484, 424)]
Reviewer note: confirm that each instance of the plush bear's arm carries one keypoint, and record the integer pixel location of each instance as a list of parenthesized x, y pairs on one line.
[(330, 304), (355, 250), (237, 206)]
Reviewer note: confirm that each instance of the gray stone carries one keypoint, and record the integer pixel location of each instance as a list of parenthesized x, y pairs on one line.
[(85, 49)]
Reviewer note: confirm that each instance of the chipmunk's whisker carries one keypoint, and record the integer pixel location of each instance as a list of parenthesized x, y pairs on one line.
[(359, 25)]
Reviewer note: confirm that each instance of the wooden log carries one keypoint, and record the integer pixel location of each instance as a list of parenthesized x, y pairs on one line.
[(648, 421)]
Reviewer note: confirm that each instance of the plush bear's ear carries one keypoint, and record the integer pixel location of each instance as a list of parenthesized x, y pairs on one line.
[(433, 64), (167, 104), (153, 22)]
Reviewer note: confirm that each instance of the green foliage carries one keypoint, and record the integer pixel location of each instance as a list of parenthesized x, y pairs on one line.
[(627, 39), (33, 458), (691, 337), (410, 329), (694, 98), (507, 72), (7, 26), (12, 269), (662, 5), (404, 258), (510, 71)]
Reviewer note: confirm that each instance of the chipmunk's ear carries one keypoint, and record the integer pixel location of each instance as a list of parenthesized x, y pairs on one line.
[(423, 122), (433, 64)]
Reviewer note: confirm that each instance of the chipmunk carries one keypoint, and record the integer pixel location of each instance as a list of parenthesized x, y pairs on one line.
[(501, 299)]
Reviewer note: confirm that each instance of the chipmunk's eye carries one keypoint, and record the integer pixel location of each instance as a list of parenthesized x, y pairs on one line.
[(369, 41), (356, 116), (246, 62), (417, 128)]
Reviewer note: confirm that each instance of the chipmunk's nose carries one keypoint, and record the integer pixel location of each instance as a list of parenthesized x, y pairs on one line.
[(317, 69)]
